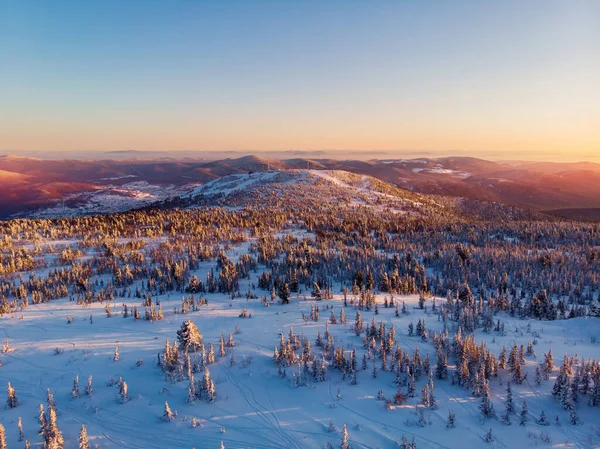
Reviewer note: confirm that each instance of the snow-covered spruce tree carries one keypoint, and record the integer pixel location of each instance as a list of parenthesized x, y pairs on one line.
[(574, 418), (189, 337), (192, 394), (488, 436), (331, 427), (54, 438), (11, 400), (83, 438), (88, 387), (208, 390), (124, 393), (43, 422), (543, 421), (486, 406), (2, 437), (222, 346), (75, 390), (210, 358), (168, 415), (523, 414), (506, 417), (510, 404), (20, 426), (50, 399), (451, 422), (116, 354), (345, 444)]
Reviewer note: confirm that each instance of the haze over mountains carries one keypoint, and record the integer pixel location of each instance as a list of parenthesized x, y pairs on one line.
[(36, 187)]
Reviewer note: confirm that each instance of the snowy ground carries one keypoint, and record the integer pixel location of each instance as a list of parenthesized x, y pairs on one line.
[(255, 408)]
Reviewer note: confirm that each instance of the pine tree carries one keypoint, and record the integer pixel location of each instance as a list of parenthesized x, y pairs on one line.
[(124, 393), (488, 436), (75, 390), (566, 399), (523, 414), (345, 444), (2, 437), (450, 423), (358, 325), (54, 438), (543, 421), (192, 394), (510, 405), (42, 421), (486, 406), (331, 427), (50, 399), (574, 418), (88, 387), (83, 438), (222, 346), (210, 358), (506, 417), (208, 386), (116, 354), (411, 386), (189, 337), (11, 400), (168, 415), (21, 433)]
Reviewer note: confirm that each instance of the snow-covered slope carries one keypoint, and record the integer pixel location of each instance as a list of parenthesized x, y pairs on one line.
[(109, 199), (304, 188)]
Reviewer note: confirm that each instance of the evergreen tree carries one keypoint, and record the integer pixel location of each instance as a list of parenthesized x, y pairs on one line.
[(42, 421), (574, 417), (486, 406), (543, 421), (523, 414), (116, 354), (75, 390), (11, 400), (450, 423), (2, 437), (83, 438), (88, 387), (21, 433), (331, 427), (506, 417), (50, 399), (190, 339), (345, 444), (168, 415), (124, 393), (54, 438), (510, 405), (222, 346)]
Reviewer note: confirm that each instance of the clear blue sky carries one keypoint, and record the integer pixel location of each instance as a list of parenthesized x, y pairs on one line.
[(470, 76)]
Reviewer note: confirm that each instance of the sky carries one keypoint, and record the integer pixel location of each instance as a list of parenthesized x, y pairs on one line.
[(497, 79)]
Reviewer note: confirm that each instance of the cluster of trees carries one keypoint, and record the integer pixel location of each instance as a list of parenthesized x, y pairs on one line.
[(178, 365)]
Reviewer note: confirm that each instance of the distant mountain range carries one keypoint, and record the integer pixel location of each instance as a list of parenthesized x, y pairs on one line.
[(37, 187)]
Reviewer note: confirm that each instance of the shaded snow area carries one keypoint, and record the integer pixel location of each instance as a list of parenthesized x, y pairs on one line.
[(110, 199), (257, 408)]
